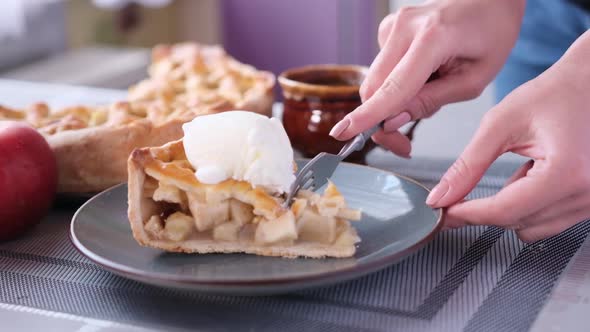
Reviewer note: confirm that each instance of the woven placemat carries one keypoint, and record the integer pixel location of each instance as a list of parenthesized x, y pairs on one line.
[(473, 279)]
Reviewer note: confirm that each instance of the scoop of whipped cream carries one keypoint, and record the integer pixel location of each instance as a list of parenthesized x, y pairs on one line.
[(240, 145)]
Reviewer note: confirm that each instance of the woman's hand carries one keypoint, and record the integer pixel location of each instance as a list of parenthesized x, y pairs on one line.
[(547, 120), (465, 42)]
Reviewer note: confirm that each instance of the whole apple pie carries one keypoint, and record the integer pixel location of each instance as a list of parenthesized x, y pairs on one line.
[(92, 143)]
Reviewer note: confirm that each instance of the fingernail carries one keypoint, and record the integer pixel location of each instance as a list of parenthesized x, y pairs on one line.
[(340, 127), (437, 193), (396, 122)]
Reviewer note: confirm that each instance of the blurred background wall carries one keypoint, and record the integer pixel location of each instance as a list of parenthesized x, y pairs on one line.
[(106, 43)]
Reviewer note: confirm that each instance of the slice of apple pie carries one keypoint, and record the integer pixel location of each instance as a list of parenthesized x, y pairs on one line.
[(170, 209)]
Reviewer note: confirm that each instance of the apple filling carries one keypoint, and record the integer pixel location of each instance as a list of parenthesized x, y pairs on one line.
[(234, 211)]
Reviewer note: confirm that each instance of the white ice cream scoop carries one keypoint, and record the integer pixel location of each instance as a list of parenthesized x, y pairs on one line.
[(240, 145)]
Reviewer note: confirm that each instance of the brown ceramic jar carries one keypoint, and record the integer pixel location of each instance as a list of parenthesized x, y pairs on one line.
[(315, 99)]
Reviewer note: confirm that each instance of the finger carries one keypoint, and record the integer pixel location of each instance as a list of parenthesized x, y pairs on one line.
[(553, 227), (488, 143), (395, 37), (520, 172), (452, 222), (393, 123), (561, 207), (509, 206), (384, 30), (395, 142), (402, 84), (389, 56)]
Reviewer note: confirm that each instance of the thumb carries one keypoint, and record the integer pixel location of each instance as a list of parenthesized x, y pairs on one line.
[(444, 90), (437, 92), (488, 143)]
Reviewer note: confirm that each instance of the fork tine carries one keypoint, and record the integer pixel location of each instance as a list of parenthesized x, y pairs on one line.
[(308, 183), (302, 179), (323, 165), (307, 176), (313, 174)]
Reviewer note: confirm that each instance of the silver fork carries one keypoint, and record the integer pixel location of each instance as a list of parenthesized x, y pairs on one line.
[(318, 170)]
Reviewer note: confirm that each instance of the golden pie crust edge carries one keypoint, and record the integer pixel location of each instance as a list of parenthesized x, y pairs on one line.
[(95, 158), (138, 212)]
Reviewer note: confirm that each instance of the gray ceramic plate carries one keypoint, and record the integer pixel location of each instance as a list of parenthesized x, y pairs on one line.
[(396, 222)]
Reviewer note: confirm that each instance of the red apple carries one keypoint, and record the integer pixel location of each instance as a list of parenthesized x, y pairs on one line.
[(28, 178)]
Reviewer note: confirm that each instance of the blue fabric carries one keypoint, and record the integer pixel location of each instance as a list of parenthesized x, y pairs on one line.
[(549, 28)]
